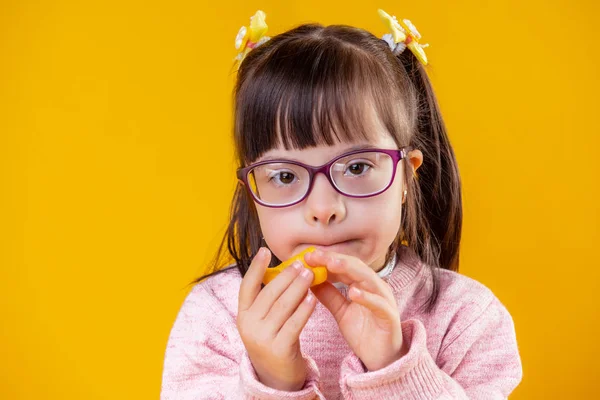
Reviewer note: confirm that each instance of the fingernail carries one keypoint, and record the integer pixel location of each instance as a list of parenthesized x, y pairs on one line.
[(297, 265), (306, 273), (319, 253), (310, 297)]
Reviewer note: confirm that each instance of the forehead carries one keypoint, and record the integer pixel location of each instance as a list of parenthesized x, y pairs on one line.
[(320, 154), (375, 135), (317, 125)]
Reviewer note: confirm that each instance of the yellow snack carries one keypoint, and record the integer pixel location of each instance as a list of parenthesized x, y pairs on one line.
[(320, 273)]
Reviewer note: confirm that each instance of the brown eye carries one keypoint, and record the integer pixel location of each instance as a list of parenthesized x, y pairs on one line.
[(282, 178), (286, 177), (357, 168)]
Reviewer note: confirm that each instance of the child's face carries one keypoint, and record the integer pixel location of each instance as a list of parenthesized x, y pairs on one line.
[(361, 227)]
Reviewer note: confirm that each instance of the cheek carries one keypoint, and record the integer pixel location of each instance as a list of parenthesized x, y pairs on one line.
[(392, 198), (381, 215), (278, 226)]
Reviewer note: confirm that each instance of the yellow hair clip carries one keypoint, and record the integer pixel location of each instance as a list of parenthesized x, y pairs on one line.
[(252, 37), (403, 34)]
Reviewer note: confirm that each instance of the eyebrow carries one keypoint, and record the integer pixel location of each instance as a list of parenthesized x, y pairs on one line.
[(357, 147)]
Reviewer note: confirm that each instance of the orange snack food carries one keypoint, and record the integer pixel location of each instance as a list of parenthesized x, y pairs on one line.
[(320, 273)]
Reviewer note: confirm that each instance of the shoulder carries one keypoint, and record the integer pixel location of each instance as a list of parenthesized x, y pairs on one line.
[(217, 292), (210, 306), (206, 321), (463, 291), (465, 303)]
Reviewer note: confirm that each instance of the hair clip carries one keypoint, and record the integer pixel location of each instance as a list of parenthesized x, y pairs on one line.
[(403, 34), (252, 37)]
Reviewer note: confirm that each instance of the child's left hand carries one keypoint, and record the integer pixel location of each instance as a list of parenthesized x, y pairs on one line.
[(370, 322)]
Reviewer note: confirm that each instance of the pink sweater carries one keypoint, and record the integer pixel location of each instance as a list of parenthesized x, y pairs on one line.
[(465, 349)]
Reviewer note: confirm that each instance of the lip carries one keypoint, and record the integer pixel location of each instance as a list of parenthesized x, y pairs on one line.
[(334, 246)]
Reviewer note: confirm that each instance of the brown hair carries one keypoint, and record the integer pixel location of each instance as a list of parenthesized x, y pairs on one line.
[(309, 86)]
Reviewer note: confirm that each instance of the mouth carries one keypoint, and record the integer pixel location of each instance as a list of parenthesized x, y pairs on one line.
[(337, 247)]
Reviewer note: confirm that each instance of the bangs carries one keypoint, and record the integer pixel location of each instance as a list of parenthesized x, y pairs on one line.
[(316, 91)]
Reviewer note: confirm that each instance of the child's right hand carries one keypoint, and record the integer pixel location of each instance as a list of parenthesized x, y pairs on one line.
[(270, 321)]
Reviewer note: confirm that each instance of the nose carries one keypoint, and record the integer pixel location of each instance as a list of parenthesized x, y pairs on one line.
[(324, 205)]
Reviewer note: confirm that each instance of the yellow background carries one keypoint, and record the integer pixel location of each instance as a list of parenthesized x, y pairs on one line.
[(116, 176)]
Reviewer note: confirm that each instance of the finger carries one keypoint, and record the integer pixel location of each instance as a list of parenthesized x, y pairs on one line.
[(251, 284), (291, 329), (321, 260), (332, 299), (378, 305), (288, 302), (325, 258), (350, 270), (274, 289), (357, 272)]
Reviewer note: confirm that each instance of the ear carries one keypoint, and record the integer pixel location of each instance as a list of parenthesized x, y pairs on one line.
[(415, 157)]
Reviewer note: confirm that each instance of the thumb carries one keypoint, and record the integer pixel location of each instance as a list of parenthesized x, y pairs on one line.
[(331, 298)]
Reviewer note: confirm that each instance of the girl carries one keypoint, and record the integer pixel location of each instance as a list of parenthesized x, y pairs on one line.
[(332, 125)]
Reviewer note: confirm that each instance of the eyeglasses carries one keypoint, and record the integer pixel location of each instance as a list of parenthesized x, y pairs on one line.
[(359, 174)]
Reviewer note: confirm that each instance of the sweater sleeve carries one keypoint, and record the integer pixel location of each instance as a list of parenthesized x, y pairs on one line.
[(205, 358), (479, 361)]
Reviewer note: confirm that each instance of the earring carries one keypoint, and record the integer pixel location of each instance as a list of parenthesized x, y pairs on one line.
[(404, 195)]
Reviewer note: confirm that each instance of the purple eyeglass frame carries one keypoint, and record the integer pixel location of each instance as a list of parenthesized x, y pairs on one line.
[(325, 169)]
